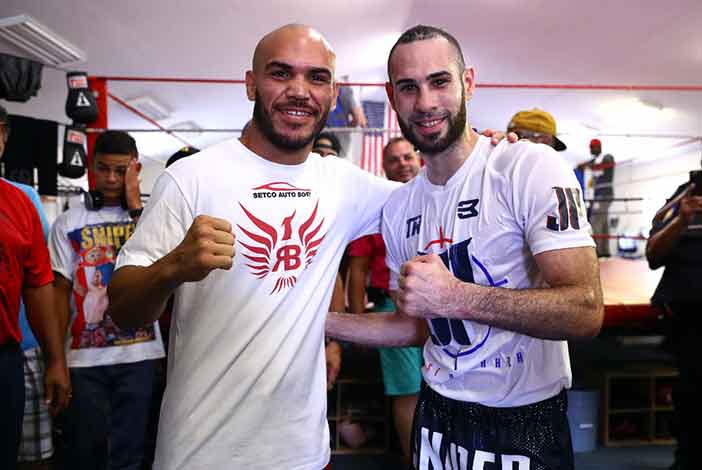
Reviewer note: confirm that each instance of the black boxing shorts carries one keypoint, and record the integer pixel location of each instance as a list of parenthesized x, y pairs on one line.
[(455, 435)]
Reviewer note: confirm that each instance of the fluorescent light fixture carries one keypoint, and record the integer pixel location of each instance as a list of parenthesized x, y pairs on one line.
[(42, 44), (149, 106)]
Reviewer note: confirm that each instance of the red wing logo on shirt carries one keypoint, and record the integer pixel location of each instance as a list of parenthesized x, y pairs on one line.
[(284, 254)]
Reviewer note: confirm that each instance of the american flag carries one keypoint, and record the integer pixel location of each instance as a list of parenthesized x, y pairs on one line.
[(380, 115)]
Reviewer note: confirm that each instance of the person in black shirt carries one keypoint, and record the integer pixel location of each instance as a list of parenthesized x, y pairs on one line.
[(676, 243)]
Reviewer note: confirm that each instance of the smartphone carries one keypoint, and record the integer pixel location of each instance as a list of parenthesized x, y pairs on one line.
[(696, 177)]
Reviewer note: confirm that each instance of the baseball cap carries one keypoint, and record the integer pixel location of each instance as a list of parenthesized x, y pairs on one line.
[(537, 120)]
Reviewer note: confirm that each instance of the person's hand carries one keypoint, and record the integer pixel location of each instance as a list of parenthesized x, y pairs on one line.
[(132, 192), (208, 245), (666, 211), (497, 136), (690, 206), (332, 352), (57, 386), (425, 286)]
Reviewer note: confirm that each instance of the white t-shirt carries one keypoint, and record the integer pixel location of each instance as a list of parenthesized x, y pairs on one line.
[(503, 206), (83, 245), (246, 368)]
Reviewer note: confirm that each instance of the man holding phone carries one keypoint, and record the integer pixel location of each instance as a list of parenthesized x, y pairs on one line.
[(676, 243), (111, 368)]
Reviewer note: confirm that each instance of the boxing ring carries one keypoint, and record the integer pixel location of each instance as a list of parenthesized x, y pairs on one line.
[(627, 287), (627, 284)]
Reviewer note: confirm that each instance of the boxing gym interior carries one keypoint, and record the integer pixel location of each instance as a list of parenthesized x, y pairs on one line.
[(614, 87)]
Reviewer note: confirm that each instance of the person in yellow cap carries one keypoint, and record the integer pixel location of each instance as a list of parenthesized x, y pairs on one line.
[(537, 126)]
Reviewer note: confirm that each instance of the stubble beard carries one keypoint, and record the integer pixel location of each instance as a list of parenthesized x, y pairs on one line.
[(436, 145), (264, 122)]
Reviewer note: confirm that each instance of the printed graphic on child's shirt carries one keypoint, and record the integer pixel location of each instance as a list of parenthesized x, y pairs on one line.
[(97, 247)]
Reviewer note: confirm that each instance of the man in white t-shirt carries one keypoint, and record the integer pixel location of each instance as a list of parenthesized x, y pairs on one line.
[(111, 368), (246, 366), (491, 247)]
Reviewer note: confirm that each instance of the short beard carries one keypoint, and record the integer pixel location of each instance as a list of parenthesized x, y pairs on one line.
[(265, 124), (457, 125)]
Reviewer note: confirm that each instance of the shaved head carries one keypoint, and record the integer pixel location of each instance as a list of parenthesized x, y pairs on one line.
[(423, 33), (298, 33), (292, 86)]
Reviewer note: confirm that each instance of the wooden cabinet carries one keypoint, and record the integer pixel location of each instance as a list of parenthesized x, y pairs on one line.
[(638, 406)]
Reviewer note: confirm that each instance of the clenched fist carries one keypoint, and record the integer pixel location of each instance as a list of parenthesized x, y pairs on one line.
[(425, 287), (208, 245)]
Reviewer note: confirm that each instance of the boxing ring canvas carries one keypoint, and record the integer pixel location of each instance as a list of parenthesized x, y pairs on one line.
[(627, 287)]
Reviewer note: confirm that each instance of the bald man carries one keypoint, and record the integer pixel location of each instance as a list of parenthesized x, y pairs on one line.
[(246, 381)]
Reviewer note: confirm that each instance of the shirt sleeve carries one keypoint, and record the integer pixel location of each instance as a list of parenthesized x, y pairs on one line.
[(353, 98), (346, 97), (371, 194), (37, 266), (551, 207), (393, 255), (36, 200), (163, 225), (63, 257)]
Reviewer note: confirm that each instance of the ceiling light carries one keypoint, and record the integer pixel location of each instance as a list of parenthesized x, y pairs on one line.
[(150, 107), (32, 37)]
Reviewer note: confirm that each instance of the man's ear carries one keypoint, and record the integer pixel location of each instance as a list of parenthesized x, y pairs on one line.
[(250, 85), (469, 81), (391, 94)]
